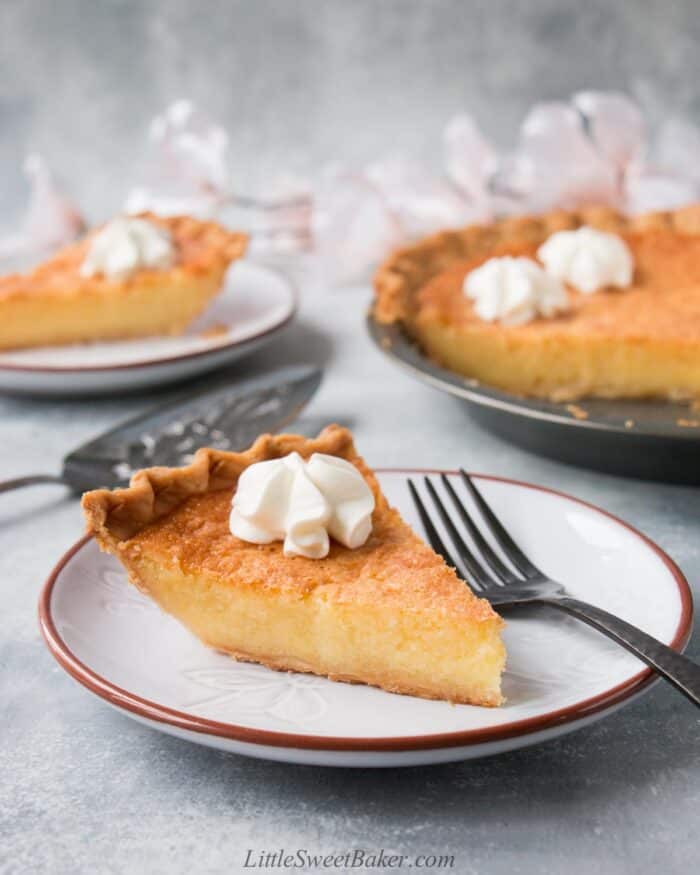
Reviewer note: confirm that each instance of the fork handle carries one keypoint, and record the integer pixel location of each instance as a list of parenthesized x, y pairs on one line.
[(18, 482), (678, 670)]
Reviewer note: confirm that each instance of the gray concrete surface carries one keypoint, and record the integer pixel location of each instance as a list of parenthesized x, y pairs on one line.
[(83, 789)]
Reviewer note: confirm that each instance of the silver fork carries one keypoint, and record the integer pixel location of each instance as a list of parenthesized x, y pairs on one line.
[(528, 586)]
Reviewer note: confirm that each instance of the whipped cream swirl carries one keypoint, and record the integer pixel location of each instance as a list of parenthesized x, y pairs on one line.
[(587, 259), (126, 245), (513, 291), (303, 504)]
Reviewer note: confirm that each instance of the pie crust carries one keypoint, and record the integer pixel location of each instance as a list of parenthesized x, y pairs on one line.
[(643, 341)]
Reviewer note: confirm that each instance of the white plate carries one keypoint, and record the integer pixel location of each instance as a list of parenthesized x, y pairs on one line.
[(561, 674), (254, 303)]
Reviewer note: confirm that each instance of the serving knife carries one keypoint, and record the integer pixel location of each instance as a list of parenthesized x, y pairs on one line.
[(226, 416)]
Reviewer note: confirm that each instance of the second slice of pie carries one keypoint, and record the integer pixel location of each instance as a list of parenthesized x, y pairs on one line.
[(100, 288), (389, 613)]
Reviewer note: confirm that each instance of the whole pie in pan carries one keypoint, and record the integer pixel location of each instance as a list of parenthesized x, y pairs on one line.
[(390, 613), (57, 304), (642, 341)]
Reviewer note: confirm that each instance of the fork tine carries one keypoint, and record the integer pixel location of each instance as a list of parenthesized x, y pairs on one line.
[(476, 570), (504, 540), (494, 561), (434, 539)]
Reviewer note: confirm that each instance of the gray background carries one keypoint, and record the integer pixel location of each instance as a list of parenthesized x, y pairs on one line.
[(297, 83)]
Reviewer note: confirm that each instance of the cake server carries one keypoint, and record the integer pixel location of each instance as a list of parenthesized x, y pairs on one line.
[(226, 416)]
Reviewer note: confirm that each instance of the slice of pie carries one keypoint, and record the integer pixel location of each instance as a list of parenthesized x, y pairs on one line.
[(390, 613), (57, 304), (639, 342)]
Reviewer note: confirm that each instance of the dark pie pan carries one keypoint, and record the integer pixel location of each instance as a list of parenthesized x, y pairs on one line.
[(652, 440)]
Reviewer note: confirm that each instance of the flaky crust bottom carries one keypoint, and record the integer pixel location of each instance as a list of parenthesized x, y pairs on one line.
[(382, 682)]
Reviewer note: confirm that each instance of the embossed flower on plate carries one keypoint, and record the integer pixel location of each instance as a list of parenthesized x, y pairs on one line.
[(118, 594), (286, 696)]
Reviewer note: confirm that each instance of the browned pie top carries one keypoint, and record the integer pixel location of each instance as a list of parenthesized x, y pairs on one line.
[(424, 283), (181, 516), (393, 567), (200, 247), (663, 300)]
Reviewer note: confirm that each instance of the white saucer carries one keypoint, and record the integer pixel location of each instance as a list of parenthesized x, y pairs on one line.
[(561, 674), (254, 304)]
